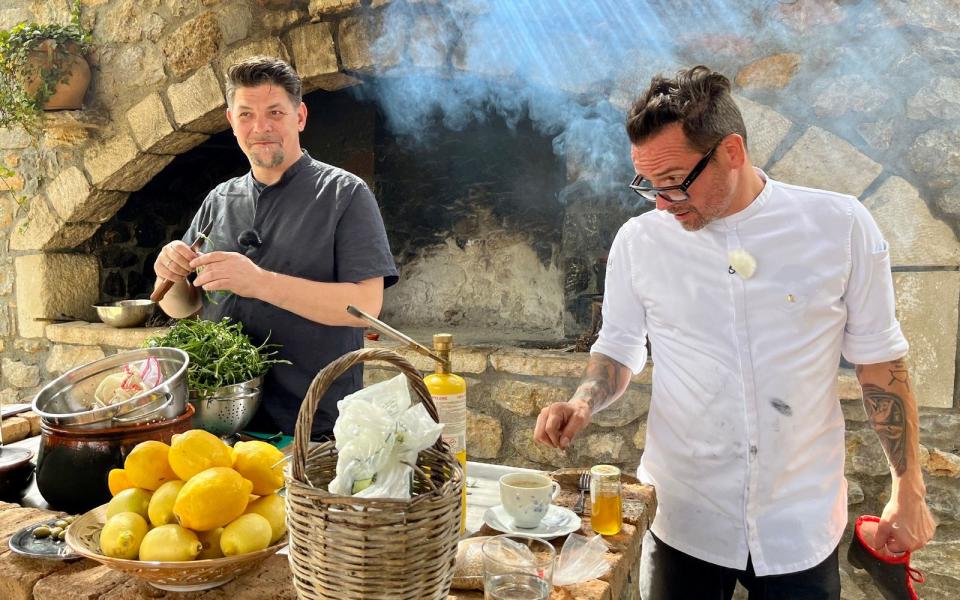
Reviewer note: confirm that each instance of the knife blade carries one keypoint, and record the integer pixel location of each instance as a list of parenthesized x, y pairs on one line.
[(166, 284)]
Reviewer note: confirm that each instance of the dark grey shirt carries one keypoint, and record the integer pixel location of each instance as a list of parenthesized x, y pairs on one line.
[(317, 222)]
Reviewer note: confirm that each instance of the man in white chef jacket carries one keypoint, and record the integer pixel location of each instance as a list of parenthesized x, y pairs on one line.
[(749, 290)]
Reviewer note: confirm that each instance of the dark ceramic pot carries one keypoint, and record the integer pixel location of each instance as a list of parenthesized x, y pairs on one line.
[(73, 465), (16, 473)]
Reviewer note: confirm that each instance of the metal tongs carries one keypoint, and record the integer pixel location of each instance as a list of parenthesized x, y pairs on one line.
[(400, 337), (166, 284)]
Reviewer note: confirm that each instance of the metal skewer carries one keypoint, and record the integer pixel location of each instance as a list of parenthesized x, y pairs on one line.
[(390, 331)]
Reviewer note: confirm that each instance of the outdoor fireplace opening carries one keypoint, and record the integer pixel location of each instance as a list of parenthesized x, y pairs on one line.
[(492, 240)]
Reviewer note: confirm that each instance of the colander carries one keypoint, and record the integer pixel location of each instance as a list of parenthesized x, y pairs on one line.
[(228, 409)]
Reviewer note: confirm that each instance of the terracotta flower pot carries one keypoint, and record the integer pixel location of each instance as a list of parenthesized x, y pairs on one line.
[(68, 95)]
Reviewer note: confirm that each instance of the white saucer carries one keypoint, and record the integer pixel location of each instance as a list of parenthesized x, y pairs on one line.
[(558, 521)]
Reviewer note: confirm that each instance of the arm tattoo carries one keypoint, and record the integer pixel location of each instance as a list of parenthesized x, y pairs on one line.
[(885, 411), (899, 373), (600, 382)]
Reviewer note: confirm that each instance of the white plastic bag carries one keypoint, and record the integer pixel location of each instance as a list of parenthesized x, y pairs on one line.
[(581, 559), (378, 431)]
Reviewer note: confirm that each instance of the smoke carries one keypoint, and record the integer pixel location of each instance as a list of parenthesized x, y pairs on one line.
[(573, 67)]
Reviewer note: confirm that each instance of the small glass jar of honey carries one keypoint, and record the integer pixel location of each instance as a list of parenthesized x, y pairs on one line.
[(606, 509)]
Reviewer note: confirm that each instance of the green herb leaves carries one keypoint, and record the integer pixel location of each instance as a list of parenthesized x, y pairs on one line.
[(220, 353)]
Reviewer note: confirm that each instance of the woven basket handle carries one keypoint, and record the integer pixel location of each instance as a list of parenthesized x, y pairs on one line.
[(321, 383)]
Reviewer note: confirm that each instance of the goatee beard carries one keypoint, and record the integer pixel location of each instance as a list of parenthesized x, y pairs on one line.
[(276, 159)]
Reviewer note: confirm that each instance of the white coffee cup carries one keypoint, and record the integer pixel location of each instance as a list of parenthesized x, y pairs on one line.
[(526, 497)]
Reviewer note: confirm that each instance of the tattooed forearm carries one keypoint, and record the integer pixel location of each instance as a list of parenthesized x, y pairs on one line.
[(899, 373), (602, 383), (886, 413)]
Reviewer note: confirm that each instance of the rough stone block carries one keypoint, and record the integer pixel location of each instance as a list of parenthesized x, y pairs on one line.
[(539, 363), (766, 128), (522, 444), (119, 165), (234, 20), (269, 46), (85, 580), (526, 398), (75, 201), (314, 52), (8, 209), (822, 160), (19, 374), (357, 35), (55, 286), (19, 574), (14, 137), (771, 72), (15, 429), (605, 447), (97, 334), (916, 237), (193, 44), (63, 358), (43, 229), (320, 9), (640, 437), (484, 436), (924, 317), (198, 103), (942, 464), (149, 122)]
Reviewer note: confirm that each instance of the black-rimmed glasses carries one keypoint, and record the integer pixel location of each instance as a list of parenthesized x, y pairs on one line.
[(672, 193)]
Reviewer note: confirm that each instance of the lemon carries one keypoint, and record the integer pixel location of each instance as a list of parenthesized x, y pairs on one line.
[(122, 534), (197, 450), (160, 510), (211, 543), (170, 543), (211, 499), (118, 481), (135, 500), (273, 510), (248, 533), (147, 467), (261, 463)]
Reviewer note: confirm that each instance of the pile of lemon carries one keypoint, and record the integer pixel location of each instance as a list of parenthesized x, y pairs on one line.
[(194, 499)]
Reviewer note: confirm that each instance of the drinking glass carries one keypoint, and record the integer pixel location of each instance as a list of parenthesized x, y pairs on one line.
[(517, 567)]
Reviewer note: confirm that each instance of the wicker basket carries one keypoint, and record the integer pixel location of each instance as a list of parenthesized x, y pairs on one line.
[(83, 536), (345, 548)]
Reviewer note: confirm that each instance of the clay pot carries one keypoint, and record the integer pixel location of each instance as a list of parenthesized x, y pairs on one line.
[(73, 465), (67, 95), (16, 472)]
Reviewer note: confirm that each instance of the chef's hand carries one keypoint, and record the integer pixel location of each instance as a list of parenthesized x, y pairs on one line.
[(173, 262), (560, 422), (229, 271), (904, 526)]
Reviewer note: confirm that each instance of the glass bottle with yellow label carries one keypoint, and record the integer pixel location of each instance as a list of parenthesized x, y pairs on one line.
[(606, 505), (449, 393)]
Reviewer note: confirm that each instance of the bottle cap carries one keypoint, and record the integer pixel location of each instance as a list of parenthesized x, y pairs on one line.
[(442, 341), (605, 472)]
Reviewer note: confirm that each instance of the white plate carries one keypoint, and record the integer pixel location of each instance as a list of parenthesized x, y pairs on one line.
[(558, 521)]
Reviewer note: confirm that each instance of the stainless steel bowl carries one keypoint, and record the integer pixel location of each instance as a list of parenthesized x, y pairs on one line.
[(67, 401), (126, 313), (229, 409)]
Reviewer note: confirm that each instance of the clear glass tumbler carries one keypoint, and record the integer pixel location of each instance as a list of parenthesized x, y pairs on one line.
[(517, 567)]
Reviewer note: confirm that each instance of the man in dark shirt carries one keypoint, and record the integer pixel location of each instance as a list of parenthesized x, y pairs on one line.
[(294, 241)]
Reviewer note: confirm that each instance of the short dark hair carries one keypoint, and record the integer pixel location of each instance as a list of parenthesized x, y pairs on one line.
[(261, 70), (698, 98)]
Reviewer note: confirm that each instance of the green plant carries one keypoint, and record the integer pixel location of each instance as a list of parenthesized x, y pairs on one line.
[(18, 106), (220, 353)]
